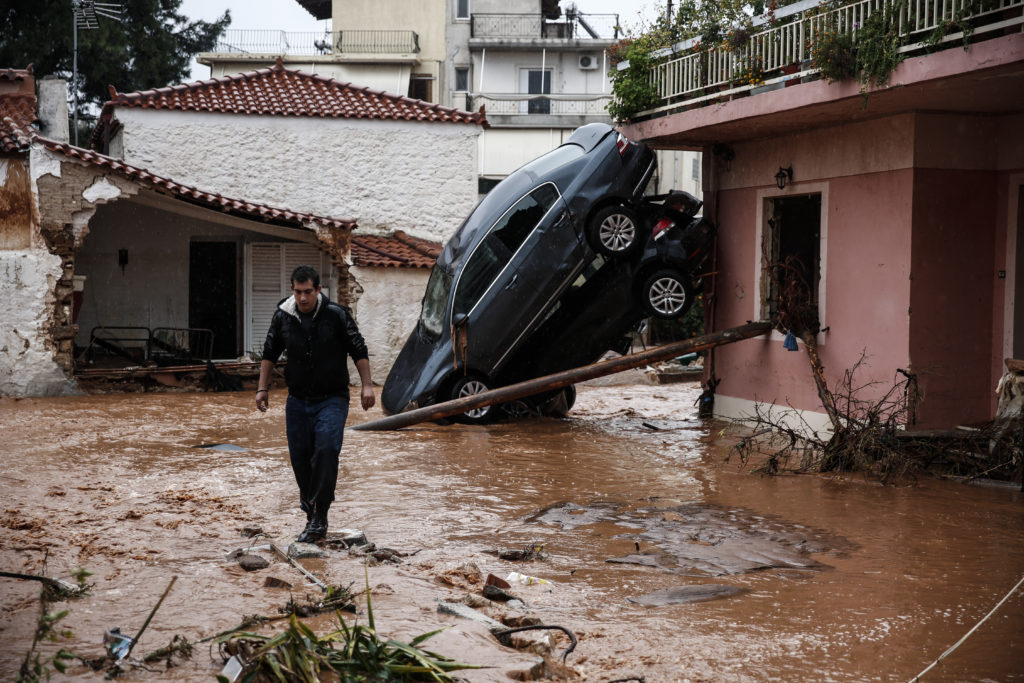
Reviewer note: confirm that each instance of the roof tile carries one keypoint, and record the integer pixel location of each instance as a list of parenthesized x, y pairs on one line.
[(397, 250), (279, 91)]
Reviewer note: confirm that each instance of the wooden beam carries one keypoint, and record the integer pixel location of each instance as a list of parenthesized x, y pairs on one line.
[(563, 379)]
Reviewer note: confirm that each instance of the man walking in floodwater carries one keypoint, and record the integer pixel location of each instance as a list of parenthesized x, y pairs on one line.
[(317, 335)]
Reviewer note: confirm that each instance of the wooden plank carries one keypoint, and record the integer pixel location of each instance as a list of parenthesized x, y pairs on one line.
[(563, 379)]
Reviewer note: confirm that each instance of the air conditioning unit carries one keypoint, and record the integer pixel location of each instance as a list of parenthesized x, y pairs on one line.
[(588, 62)]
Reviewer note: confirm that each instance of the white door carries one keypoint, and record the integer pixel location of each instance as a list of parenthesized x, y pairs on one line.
[(268, 267)]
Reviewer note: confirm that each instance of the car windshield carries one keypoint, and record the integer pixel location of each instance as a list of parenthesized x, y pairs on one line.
[(432, 313)]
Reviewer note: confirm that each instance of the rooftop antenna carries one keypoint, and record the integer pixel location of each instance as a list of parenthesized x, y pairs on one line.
[(85, 15)]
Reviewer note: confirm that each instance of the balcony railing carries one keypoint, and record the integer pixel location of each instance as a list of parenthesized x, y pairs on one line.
[(378, 41), (702, 74), (268, 41), (528, 26), (557, 105), (262, 41)]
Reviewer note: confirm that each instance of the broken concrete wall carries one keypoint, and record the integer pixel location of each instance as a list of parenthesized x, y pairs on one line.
[(36, 338)]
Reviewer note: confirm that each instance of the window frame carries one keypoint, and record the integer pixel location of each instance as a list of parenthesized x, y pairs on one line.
[(557, 203), (468, 14), (461, 70), (761, 286)]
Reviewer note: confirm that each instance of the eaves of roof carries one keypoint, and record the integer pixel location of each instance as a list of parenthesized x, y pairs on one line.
[(238, 207)]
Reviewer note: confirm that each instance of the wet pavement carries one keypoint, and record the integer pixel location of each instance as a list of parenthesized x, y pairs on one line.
[(665, 561)]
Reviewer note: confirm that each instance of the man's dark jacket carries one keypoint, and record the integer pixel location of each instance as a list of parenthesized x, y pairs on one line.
[(316, 367)]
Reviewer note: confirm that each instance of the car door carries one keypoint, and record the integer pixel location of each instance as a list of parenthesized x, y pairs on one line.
[(493, 301)]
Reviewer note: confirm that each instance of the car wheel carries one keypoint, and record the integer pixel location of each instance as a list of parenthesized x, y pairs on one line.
[(666, 294), (561, 403), (615, 231), (518, 409), (470, 386)]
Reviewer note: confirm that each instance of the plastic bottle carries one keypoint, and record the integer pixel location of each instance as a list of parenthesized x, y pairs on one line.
[(516, 577)]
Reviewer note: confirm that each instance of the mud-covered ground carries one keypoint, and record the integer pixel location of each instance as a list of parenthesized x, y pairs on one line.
[(665, 561)]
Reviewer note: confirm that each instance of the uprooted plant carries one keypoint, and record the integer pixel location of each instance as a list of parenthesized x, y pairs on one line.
[(35, 667), (867, 421), (350, 653)]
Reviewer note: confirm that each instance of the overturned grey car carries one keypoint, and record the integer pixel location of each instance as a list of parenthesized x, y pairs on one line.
[(552, 269)]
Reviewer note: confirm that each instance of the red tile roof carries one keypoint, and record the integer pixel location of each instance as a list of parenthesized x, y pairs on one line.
[(17, 112), (397, 250), (241, 207), (279, 91)]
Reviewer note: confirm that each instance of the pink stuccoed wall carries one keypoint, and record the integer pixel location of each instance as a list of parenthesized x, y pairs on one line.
[(916, 209), (867, 293)]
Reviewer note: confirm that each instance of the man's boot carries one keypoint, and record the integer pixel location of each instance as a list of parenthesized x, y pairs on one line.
[(316, 529)]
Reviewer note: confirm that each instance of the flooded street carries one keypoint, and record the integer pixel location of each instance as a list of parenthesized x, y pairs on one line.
[(814, 578)]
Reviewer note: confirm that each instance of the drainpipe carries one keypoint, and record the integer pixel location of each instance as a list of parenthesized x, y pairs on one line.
[(483, 60), (451, 76)]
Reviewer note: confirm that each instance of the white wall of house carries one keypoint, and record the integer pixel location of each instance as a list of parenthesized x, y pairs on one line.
[(387, 311), (419, 177), (500, 71), (503, 150)]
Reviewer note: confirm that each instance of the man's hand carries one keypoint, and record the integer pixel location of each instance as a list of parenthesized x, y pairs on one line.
[(263, 400), (367, 397)]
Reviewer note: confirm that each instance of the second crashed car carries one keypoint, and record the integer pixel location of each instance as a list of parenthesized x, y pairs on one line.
[(552, 269)]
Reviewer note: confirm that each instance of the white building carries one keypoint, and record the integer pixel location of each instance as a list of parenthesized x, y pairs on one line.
[(538, 68)]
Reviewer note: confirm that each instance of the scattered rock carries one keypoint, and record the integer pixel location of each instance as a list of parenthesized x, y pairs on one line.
[(535, 673), (460, 610), (475, 601), (251, 563), (496, 594), (464, 575), (532, 551), (345, 538), (493, 580), (302, 551), (250, 531), (520, 620), (274, 582), (515, 603), (681, 595)]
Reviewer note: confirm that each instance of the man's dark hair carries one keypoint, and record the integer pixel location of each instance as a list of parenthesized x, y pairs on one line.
[(306, 274)]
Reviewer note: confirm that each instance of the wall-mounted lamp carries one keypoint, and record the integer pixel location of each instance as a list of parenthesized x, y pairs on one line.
[(122, 259), (783, 176)]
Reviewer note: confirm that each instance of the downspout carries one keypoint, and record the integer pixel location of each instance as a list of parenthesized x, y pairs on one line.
[(451, 77), (480, 81)]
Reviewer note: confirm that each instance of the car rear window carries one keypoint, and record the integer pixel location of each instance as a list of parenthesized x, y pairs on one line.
[(553, 159)]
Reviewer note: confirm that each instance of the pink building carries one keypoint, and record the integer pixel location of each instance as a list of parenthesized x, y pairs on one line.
[(909, 203)]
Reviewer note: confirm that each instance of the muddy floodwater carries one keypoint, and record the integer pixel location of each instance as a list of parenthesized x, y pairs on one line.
[(664, 560)]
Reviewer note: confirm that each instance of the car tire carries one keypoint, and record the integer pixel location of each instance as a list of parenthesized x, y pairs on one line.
[(666, 294), (468, 386), (561, 403), (615, 231)]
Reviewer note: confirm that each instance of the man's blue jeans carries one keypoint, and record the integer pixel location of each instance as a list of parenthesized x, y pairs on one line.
[(315, 432)]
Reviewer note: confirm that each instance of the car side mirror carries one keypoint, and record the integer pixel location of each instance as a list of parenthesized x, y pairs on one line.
[(459, 319)]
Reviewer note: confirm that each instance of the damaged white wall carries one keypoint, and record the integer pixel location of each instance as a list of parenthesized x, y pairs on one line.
[(28, 278), (415, 176), (387, 311)]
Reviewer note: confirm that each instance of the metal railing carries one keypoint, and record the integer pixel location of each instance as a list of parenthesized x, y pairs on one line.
[(268, 41), (383, 41), (371, 41), (556, 105), (689, 77), (570, 26)]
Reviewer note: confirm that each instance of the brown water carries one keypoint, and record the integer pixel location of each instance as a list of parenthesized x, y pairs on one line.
[(841, 579)]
